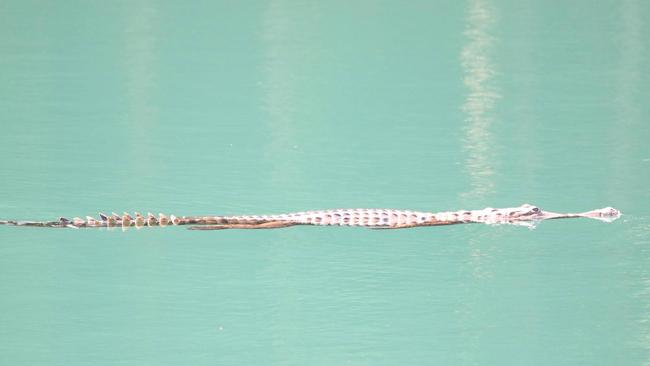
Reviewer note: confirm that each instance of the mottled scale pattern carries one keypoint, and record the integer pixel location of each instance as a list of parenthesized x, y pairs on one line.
[(348, 217)]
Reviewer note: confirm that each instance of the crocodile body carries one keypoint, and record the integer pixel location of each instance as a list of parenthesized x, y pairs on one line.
[(370, 218)]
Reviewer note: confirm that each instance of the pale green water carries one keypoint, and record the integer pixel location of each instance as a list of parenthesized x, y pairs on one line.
[(265, 107)]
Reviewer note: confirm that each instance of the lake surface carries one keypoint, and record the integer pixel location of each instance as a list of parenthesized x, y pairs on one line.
[(267, 107)]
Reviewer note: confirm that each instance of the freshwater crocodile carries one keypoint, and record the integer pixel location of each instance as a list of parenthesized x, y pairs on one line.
[(360, 217)]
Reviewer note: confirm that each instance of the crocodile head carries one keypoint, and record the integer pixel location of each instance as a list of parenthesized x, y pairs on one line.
[(525, 212), (533, 213)]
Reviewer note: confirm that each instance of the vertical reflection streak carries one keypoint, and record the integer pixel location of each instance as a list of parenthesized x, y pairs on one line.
[(140, 58), (482, 95), (478, 145), (280, 84), (283, 56)]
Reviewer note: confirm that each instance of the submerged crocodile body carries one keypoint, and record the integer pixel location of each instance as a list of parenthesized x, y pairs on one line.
[(371, 218)]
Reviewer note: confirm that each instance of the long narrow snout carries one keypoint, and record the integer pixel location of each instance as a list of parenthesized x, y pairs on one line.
[(606, 214)]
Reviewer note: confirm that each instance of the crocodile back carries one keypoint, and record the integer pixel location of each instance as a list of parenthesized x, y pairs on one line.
[(345, 217)]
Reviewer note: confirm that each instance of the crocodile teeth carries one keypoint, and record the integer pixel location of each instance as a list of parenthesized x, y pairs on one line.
[(162, 220)]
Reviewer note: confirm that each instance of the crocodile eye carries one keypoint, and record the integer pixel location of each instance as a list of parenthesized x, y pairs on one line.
[(535, 210)]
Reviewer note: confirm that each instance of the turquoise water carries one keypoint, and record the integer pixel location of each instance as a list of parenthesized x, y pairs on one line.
[(266, 107)]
